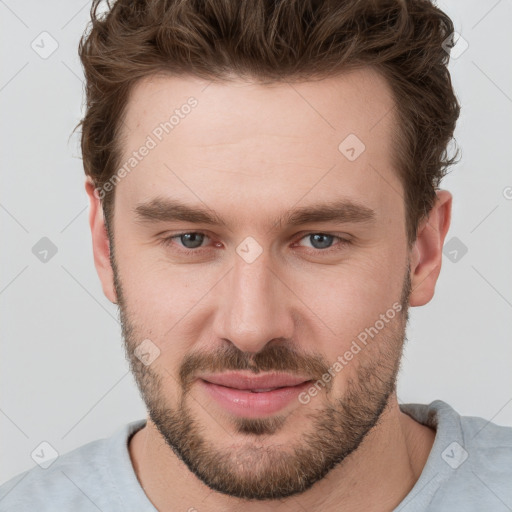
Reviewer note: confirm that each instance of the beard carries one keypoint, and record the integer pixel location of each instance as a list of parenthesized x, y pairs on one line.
[(250, 469)]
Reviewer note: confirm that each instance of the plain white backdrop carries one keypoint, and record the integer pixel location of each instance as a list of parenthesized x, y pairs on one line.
[(64, 379)]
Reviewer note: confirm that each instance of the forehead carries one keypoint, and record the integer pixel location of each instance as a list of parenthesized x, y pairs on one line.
[(244, 140), (355, 101)]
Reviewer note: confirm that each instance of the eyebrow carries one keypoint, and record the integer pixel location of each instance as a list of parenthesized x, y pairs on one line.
[(170, 210)]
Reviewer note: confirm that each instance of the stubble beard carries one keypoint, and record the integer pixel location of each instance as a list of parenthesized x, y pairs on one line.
[(253, 468)]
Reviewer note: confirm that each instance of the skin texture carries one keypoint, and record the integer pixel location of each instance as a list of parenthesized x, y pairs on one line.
[(250, 153)]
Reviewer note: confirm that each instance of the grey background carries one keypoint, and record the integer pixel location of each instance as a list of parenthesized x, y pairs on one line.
[(64, 379)]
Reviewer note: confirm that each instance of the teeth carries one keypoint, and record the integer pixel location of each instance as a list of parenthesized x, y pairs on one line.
[(262, 390)]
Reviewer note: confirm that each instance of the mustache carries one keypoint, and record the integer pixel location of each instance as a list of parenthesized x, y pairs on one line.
[(273, 358)]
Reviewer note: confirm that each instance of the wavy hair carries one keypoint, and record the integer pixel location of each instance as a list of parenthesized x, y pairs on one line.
[(271, 41)]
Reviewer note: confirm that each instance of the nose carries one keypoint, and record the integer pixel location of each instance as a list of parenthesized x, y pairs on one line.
[(255, 307)]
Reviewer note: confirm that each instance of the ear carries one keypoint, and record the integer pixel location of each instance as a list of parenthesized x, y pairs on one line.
[(100, 242), (427, 252)]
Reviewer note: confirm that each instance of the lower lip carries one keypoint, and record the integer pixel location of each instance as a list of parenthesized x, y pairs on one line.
[(253, 405)]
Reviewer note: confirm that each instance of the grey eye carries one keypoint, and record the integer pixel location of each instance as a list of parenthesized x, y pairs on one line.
[(321, 241), (192, 240)]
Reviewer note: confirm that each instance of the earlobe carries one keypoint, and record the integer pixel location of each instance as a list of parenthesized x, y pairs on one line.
[(100, 242), (427, 252)]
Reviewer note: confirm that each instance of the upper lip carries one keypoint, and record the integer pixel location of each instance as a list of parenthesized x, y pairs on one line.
[(239, 380)]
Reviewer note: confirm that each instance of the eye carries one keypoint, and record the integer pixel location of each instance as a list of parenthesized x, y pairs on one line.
[(189, 240), (324, 242), (192, 241)]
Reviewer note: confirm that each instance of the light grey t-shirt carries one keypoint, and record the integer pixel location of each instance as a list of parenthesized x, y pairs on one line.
[(469, 469)]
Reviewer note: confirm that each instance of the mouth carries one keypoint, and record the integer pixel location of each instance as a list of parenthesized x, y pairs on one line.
[(252, 396)]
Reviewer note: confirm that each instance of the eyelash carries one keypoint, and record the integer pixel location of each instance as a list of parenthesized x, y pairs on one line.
[(342, 242)]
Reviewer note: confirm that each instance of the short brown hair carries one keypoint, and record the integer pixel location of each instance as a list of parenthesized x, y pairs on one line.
[(275, 41)]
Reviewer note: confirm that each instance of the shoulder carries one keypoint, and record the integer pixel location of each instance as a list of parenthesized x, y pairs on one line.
[(475, 434), (469, 467), (79, 480), (472, 459), (489, 448), (59, 484), (483, 434)]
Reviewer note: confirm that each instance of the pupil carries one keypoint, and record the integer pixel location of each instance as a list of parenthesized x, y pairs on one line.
[(194, 239), (325, 240)]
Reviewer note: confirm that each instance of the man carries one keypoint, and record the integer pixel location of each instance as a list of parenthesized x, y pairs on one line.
[(264, 207)]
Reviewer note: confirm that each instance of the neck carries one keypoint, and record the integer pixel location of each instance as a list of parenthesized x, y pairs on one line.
[(376, 476)]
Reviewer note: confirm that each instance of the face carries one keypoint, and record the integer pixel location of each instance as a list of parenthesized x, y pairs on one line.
[(263, 271)]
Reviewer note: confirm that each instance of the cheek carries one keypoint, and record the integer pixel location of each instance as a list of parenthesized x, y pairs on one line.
[(173, 303), (158, 290), (349, 299)]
